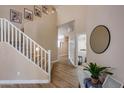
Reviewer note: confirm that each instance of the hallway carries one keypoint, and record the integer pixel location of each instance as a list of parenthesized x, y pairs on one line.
[(63, 76)]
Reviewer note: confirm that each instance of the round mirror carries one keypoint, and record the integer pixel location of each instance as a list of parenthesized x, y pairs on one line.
[(100, 39)]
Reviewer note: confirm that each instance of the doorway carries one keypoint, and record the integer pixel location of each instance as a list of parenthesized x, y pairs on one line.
[(62, 46), (66, 41), (81, 48)]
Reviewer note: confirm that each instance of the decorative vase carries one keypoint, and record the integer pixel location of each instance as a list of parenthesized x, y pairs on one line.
[(94, 80)]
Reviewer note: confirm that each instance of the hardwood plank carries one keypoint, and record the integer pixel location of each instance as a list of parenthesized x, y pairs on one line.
[(64, 74)]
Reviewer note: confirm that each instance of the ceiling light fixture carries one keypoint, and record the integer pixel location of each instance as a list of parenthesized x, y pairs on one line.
[(48, 9)]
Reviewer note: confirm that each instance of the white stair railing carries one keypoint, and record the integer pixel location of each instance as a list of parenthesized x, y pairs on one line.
[(25, 45)]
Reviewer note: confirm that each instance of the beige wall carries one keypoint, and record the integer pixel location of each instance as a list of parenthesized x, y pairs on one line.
[(113, 18), (5, 13), (14, 66), (43, 30), (67, 13)]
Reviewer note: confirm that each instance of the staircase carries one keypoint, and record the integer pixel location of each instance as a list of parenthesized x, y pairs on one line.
[(25, 46)]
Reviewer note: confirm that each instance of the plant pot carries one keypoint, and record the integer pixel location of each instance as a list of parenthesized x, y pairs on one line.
[(94, 80)]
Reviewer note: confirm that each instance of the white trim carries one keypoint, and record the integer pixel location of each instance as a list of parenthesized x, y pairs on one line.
[(72, 62), (22, 81), (54, 61)]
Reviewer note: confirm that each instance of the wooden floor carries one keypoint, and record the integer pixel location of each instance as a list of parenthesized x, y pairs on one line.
[(63, 76)]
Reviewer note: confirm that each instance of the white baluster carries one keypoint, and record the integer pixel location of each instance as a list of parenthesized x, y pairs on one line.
[(34, 54), (5, 31), (8, 33), (49, 64), (12, 32), (1, 30), (30, 50), (38, 55), (16, 42), (41, 58), (19, 41), (23, 45), (45, 60), (27, 51)]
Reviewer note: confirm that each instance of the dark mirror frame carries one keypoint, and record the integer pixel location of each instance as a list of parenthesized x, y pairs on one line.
[(108, 40)]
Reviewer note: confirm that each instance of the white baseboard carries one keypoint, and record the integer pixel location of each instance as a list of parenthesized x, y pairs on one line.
[(72, 62), (23, 81)]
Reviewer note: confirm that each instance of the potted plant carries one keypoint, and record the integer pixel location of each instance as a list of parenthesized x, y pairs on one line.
[(96, 71)]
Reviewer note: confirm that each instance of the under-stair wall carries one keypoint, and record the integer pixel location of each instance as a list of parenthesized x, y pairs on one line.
[(15, 68)]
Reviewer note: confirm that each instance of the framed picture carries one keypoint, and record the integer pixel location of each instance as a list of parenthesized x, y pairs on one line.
[(37, 11), (15, 16), (28, 14)]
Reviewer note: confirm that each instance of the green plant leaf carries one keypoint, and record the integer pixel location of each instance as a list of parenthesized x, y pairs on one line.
[(107, 72), (103, 68), (96, 70)]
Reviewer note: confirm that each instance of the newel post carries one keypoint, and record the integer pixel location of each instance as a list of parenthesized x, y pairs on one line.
[(49, 65)]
